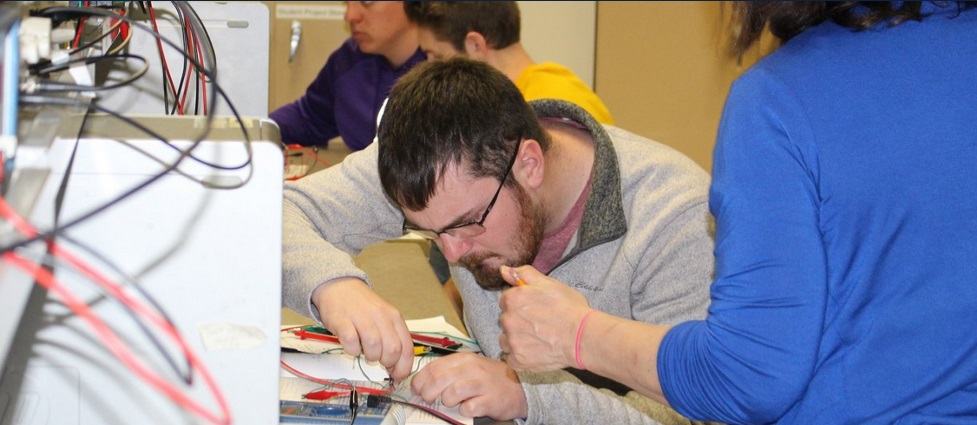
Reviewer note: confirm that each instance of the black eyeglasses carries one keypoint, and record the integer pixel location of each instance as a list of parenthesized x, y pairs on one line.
[(472, 228)]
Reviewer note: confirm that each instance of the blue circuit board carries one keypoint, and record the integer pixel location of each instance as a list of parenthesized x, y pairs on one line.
[(370, 410)]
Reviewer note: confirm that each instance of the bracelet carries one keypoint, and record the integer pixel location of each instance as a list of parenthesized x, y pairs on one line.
[(576, 344)]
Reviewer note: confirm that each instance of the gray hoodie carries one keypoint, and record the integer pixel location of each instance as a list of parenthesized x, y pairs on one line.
[(643, 251)]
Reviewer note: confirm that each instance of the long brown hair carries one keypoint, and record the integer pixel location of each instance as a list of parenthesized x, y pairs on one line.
[(786, 19)]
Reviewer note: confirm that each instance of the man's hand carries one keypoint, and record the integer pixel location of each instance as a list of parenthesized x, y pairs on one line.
[(540, 317), (480, 385), (366, 324)]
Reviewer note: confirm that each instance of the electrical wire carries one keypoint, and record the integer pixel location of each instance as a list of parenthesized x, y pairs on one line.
[(56, 87), (186, 377), (208, 55), (109, 338), (79, 30), (208, 71), (123, 31), (168, 77), (193, 32), (201, 81), (139, 126), (386, 391), (212, 58), (97, 210), (337, 383), (95, 40), (186, 372), (299, 150), (155, 316), (432, 411), (188, 47), (112, 341), (210, 45)]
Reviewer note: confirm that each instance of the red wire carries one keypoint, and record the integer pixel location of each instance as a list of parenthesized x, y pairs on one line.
[(112, 341), (333, 382), (162, 58), (106, 334), (81, 26), (367, 390), (310, 152), (317, 159), (191, 42), (123, 31)]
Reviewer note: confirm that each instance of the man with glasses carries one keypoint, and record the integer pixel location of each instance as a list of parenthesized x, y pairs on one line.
[(490, 31), (462, 159)]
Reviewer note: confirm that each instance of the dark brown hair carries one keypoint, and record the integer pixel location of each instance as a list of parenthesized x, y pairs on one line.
[(456, 111), (451, 21), (786, 19)]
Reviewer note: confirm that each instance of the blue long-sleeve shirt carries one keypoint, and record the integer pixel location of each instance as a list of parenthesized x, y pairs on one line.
[(845, 196), (343, 100)]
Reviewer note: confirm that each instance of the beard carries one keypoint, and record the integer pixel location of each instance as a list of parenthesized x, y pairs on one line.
[(532, 222)]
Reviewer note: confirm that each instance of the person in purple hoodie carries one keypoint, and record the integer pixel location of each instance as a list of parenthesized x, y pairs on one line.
[(346, 96)]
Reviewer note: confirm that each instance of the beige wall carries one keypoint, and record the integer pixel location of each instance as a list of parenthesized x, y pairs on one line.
[(661, 70), (568, 40), (659, 66)]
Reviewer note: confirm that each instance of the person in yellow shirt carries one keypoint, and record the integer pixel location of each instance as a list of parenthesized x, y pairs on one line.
[(489, 31)]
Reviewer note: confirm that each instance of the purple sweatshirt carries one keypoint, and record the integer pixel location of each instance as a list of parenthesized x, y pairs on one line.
[(343, 100)]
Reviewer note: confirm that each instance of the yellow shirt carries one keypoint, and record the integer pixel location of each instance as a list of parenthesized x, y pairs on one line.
[(553, 81)]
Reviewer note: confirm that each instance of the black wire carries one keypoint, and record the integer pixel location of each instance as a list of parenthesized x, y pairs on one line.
[(190, 39), (133, 23), (187, 376), (215, 88), (89, 44), (183, 72), (209, 72), (78, 30), (163, 139), (210, 48), (196, 92), (354, 403), (59, 229), (203, 28), (163, 70), (51, 67), (53, 87), (97, 210), (196, 83), (58, 203)]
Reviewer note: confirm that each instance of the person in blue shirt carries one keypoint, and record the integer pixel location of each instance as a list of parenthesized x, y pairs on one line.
[(845, 197), (346, 96)]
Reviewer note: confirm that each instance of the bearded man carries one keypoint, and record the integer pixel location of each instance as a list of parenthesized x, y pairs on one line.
[(462, 159)]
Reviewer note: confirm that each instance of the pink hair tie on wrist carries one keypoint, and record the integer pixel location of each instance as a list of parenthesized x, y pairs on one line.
[(576, 344)]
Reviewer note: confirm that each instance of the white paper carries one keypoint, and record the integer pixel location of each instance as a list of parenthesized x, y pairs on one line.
[(337, 365)]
